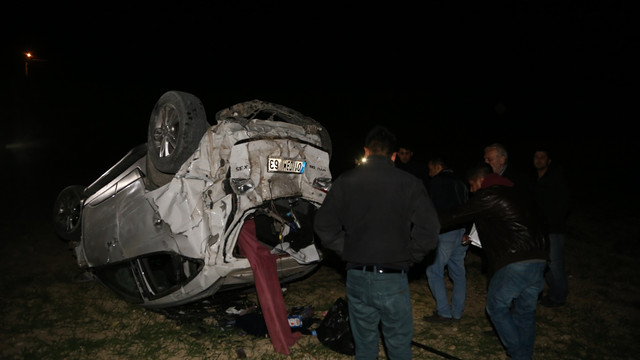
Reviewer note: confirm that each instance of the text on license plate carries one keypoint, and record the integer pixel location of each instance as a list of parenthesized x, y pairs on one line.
[(286, 165)]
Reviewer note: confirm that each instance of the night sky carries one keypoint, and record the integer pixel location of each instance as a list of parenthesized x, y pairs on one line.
[(447, 78)]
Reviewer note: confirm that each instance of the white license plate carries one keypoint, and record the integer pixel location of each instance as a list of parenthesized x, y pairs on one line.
[(286, 165)]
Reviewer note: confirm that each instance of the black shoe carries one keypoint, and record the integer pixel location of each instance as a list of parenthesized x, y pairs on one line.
[(435, 318), (546, 302)]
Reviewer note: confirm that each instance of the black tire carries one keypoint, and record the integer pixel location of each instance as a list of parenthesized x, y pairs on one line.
[(155, 178), (67, 213), (177, 124)]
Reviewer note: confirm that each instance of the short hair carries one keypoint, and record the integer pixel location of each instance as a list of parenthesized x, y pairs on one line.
[(438, 160), (481, 169), (544, 148), (380, 141), (502, 151)]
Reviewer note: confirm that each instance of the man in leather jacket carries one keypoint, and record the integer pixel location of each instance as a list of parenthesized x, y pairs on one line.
[(516, 254)]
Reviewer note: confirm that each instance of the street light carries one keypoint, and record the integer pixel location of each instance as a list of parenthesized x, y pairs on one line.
[(26, 64)]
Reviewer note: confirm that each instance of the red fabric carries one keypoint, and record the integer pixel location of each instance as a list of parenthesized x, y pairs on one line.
[(263, 264), (495, 179)]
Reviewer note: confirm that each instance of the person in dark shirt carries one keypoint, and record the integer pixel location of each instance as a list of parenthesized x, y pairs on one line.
[(380, 221), (406, 161), (552, 199), (497, 157), (447, 192), (517, 255)]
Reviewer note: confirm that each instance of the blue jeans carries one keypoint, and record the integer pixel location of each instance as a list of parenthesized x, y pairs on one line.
[(555, 276), (512, 298), (380, 300), (450, 253)]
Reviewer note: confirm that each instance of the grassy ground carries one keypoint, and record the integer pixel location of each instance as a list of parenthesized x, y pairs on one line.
[(45, 315)]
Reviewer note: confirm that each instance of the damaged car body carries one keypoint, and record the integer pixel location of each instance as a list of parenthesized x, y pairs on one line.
[(160, 227)]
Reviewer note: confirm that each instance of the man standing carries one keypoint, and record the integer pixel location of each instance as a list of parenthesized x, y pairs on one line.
[(380, 221), (447, 192), (552, 198), (405, 161), (516, 254), (497, 157)]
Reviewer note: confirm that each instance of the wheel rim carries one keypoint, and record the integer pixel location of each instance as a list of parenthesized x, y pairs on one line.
[(165, 135), (69, 214)]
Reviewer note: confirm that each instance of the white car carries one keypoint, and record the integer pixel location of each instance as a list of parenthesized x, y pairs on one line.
[(160, 227)]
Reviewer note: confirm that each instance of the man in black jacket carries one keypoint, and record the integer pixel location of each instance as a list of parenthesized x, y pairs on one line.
[(552, 198), (516, 254), (497, 157), (380, 221), (447, 192)]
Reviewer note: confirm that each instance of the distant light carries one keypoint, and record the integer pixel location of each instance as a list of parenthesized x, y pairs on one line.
[(360, 161), (28, 54), (23, 145)]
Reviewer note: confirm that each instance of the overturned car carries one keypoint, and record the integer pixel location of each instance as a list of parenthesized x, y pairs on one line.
[(160, 227)]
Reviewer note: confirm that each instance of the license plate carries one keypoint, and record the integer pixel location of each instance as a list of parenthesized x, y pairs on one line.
[(286, 165)]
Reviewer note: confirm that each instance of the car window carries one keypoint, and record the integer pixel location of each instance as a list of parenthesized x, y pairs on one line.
[(151, 276), (119, 278), (164, 272)]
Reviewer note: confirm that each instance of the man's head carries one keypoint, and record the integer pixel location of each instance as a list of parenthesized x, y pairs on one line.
[(541, 160), (482, 176), (476, 176), (404, 154), (380, 141), (436, 165), (496, 156)]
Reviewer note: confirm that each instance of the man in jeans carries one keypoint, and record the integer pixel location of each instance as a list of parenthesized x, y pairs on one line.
[(516, 256), (380, 221), (447, 192), (552, 198)]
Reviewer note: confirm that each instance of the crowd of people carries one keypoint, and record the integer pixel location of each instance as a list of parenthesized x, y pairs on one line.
[(392, 212)]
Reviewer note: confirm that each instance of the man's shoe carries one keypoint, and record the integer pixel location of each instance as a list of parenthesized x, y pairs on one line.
[(546, 302), (436, 318)]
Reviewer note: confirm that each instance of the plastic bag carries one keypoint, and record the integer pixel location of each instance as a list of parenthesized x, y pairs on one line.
[(334, 331)]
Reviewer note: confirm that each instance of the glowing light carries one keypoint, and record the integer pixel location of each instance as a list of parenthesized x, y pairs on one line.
[(29, 55)]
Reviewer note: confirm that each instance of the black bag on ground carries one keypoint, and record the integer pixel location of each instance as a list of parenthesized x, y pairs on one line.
[(334, 331)]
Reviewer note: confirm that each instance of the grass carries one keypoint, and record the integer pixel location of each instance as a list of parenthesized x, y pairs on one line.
[(44, 315)]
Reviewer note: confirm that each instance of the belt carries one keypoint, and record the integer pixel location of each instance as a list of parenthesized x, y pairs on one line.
[(378, 269)]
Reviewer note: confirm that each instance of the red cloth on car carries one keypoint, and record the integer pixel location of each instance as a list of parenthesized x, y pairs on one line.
[(263, 264)]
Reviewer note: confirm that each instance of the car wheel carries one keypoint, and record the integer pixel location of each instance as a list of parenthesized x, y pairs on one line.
[(67, 213), (177, 124), (155, 178)]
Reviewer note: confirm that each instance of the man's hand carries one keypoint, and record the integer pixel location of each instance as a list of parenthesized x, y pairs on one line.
[(465, 239)]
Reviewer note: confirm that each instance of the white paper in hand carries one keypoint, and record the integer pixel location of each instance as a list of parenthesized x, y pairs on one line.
[(473, 236)]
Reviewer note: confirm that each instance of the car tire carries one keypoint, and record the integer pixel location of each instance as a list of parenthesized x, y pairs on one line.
[(154, 177), (67, 213), (177, 123)]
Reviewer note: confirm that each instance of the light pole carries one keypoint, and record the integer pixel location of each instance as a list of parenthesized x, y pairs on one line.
[(26, 64)]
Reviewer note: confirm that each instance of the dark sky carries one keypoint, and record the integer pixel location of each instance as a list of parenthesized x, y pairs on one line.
[(447, 77)]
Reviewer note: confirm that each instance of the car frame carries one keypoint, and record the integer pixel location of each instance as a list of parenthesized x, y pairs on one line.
[(160, 227)]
